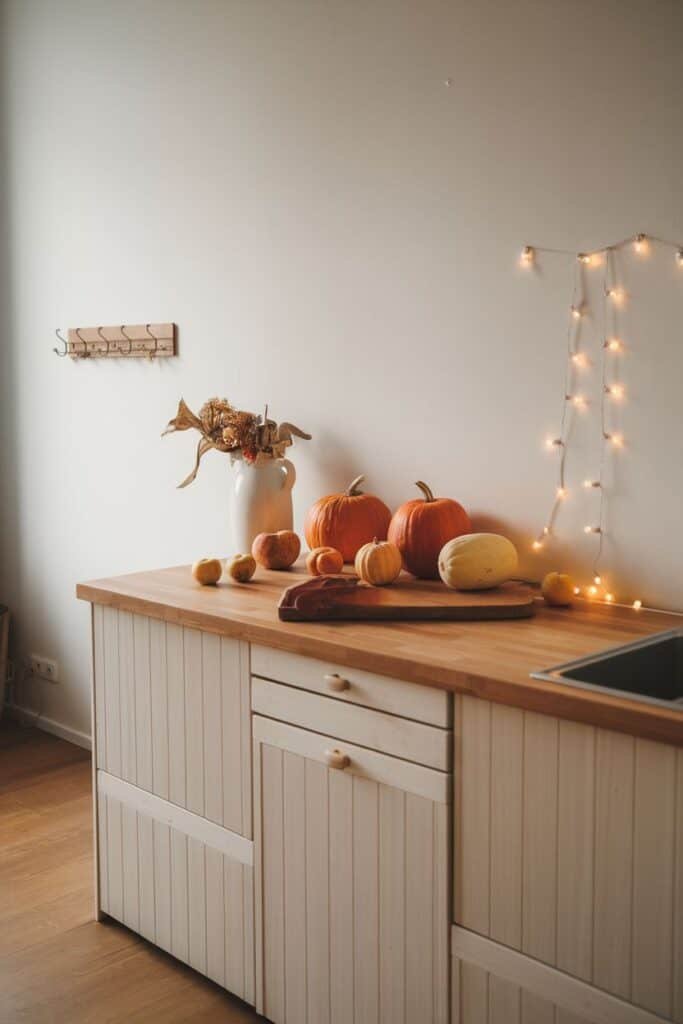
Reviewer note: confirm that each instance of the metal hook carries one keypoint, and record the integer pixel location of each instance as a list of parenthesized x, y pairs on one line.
[(105, 340), (128, 339), (152, 352), (64, 343), (84, 354)]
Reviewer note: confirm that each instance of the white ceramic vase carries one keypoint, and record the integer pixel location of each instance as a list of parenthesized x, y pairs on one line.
[(260, 499)]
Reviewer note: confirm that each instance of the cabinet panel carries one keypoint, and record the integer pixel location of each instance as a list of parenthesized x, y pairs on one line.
[(353, 927), (173, 714), (186, 895), (567, 847)]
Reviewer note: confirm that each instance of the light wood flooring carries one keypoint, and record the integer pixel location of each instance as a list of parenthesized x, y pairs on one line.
[(57, 964)]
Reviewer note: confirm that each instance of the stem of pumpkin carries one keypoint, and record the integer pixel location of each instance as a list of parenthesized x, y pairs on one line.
[(352, 489), (427, 491)]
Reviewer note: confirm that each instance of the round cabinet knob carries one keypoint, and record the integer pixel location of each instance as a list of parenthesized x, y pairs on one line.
[(337, 683), (335, 759)]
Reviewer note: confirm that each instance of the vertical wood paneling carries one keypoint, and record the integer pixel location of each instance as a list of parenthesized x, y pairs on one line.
[(295, 886), (366, 900), (441, 914), (677, 968), (341, 904), (115, 859), (473, 843), (129, 858), (567, 1017), (507, 744), (317, 893), (456, 1017), (194, 720), (236, 907), (615, 765), (419, 934), (196, 894), (215, 916), (146, 867), (179, 897), (176, 713), (505, 1001), (103, 851), (248, 934), (112, 696), (163, 901), (213, 725), (244, 662), (576, 836), (272, 854), (100, 703), (474, 994), (127, 696), (536, 1010), (653, 873), (539, 874), (232, 732), (158, 671), (392, 904), (142, 725)]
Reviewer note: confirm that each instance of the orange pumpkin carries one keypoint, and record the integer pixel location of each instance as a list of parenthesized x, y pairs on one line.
[(347, 521), (321, 561), (421, 527)]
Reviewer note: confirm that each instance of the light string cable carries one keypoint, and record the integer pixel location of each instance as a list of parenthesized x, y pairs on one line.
[(574, 358)]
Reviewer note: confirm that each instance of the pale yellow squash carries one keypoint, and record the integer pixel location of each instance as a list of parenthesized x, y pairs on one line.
[(378, 563), (477, 561)]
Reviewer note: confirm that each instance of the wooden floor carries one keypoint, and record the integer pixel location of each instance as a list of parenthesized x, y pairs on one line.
[(56, 963)]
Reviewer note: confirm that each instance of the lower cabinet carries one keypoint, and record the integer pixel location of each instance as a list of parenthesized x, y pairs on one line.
[(352, 882), (184, 883)]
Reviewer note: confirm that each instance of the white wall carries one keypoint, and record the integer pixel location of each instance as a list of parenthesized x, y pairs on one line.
[(335, 231)]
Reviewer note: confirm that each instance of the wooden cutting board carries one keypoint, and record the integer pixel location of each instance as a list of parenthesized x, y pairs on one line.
[(346, 597)]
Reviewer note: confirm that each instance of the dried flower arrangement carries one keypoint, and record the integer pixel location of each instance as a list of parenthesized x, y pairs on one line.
[(241, 434)]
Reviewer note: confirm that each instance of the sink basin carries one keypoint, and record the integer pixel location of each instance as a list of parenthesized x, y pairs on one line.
[(649, 670)]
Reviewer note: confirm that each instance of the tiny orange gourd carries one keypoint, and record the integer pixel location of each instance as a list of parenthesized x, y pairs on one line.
[(378, 563), (421, 527), (323, 561), (346, 521)]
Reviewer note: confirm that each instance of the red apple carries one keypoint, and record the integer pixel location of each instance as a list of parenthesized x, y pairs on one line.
[(276, 550)]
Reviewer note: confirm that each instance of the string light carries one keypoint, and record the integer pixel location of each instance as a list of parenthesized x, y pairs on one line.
[(640, 244), (617, 295), (527, 257), (614, 345), (554, 442), (578, 400), (679, 257), (585, 258), (592, 529), (609, 598), (592, 591), (577, 590), (579, 359), (561, 493), (591, 483), (638, 604), (617, 440), (537, 545), (577, 312), (615, 391), (597, 580)]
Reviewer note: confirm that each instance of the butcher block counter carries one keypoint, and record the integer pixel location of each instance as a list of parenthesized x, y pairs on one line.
[(356, 823), (492, 660)]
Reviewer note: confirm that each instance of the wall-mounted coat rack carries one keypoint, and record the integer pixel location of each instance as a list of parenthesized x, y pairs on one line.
[(121, 341)]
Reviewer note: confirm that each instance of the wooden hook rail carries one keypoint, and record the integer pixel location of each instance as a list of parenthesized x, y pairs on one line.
[(121, 341)]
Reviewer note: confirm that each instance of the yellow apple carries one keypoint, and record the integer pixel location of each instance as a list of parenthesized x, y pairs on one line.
[(558, 589), (207, 571), (241, 568)]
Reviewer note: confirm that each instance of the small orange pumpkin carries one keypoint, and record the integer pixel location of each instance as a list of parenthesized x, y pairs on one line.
[(321, 561), (378, 563), (421, 527), (346, 521)]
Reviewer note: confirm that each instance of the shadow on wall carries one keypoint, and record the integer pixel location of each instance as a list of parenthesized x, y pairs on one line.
[(9, 484)]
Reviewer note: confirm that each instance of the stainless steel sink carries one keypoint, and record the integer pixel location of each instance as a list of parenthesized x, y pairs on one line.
[(649, 670)]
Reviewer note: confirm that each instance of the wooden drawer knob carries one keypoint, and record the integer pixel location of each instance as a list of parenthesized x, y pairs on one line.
[(335, 759), (337, 683)]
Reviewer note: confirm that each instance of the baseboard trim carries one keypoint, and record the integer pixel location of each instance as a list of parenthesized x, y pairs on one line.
[(65, 732)]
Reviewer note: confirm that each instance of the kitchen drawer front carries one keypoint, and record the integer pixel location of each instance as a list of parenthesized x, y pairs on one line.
[(183, 883), (398, 737), (354, 686), (352, 894), (172, 714), (492, 984)]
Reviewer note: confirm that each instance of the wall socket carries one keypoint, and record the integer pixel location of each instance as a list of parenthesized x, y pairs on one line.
[(44, 668)]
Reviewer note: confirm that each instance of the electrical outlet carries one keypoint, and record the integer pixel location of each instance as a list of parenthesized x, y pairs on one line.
[(44, 668)]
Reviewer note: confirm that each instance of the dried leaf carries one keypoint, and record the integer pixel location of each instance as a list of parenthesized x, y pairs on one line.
[(184, 419), (204, 445)]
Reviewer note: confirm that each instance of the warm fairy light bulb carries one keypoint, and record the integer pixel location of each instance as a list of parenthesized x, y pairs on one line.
[(584, 257), (577, 590), (579, 359), (597, 579), (553, 442), (591, 483), (609, 598), (617, 440), (615, 390), (561, 492), (615, 294), (592, 529), (679, 257), (637, 605), (614, 345), (640, 244), (537, 545), (546, 531), (579, 401), (576, 312), (527, 257), (592, 591)]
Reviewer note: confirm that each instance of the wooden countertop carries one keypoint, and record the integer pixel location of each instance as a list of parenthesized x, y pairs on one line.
[(488, 659)]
